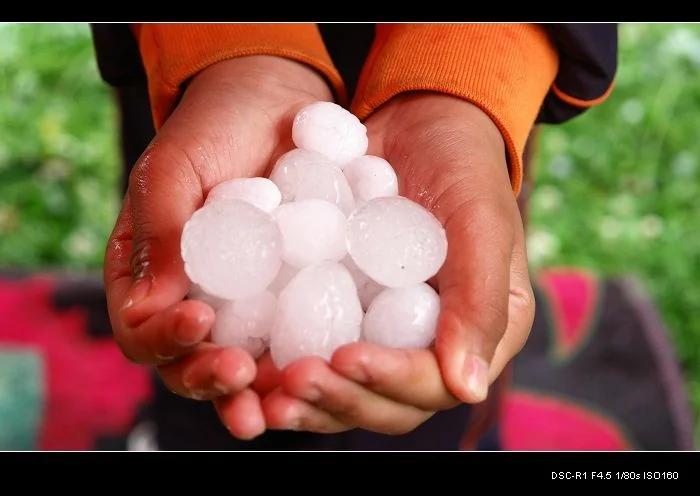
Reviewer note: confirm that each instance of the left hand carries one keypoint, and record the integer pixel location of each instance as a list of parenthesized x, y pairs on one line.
[(449, 157)]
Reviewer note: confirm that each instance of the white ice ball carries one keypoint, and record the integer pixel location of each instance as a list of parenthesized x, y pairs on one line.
[(258, 191), (403, 317), (245, 323), (313, 231), (231, 249), (371, 177), (396, 242), (197, 293), (303, 175), (284, 173), (367, 289), (331, 130), (317, 312)]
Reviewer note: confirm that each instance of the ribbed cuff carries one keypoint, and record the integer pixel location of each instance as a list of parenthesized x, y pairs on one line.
[(173, 53), (506, 70)]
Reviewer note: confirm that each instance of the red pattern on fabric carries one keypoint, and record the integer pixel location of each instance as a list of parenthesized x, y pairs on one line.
[(92, 389), (572, 297), (534, 422)]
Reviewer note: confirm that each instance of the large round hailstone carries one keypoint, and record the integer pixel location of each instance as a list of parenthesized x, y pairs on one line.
[(329, 129), (258, 191), (403, 317), (231, 249), (396, 242), (284, 173), (317, 312), (371, 177), (303, 175), (367, 289), (197, 293), (325, 183), (313, 231), (245, 323)]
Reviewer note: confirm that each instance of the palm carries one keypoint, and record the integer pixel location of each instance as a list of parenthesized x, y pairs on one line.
[(456, 168)]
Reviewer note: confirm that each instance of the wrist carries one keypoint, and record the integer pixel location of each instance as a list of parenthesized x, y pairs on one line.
[(433, 112), (266, 73)]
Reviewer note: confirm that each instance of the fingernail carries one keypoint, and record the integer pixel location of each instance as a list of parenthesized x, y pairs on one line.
[(476, 375), (220, 388), (358, 373), (138, 292), (184, 334), (188, 379), (164, 358), (312, 393), (292, 421), (198, 394), (294, 424)]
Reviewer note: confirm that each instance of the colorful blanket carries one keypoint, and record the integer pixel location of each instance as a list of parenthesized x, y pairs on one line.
[(598, 372)]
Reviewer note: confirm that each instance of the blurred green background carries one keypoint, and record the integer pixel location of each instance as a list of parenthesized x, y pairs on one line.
[(618, 189)]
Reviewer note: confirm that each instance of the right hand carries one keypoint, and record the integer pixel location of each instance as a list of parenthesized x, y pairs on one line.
[(234, 120)]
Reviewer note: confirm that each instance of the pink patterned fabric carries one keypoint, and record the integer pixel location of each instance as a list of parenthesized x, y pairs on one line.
[(91, 390), (572, 298), (535, 422)]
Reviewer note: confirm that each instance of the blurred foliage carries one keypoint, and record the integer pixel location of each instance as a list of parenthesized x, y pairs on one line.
[(618, 189), (58, 148)]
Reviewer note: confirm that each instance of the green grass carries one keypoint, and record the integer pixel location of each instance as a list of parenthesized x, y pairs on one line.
[(58, 148), (618, 188)]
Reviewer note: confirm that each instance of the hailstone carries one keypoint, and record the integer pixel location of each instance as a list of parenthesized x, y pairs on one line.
[(396, 242), (245, 323), (231, 249), (403, 317), (371, 177), (258, 191), (329, 129), (313, 231), (317, 312)]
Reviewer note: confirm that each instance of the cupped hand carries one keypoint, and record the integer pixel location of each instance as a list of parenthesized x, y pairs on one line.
[(233, 120), (450, 157)]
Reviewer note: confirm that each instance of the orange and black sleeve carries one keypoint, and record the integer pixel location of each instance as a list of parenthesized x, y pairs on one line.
[(506, 70), (173, 53), (518, 74)]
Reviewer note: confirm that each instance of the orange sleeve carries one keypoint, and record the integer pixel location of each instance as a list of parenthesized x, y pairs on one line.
[(506, 70), (173, 53)]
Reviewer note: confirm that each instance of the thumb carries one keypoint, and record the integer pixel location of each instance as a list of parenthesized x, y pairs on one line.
[(474, 285), (164, 191)]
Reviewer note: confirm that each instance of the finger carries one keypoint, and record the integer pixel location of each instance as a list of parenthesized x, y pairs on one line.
[(143, 285), (117, 269), (117, 272), (268, 376), (473, 286), (241, 414), (209, 372), (164, 191), (521, 311), (166, 335), (312, 380), (283, 411), (405, 376)]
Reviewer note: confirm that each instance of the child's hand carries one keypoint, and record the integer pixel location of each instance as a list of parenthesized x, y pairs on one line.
[(233, 121), (449, 157)]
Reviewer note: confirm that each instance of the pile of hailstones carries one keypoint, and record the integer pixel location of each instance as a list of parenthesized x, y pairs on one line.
[(293, 262)]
